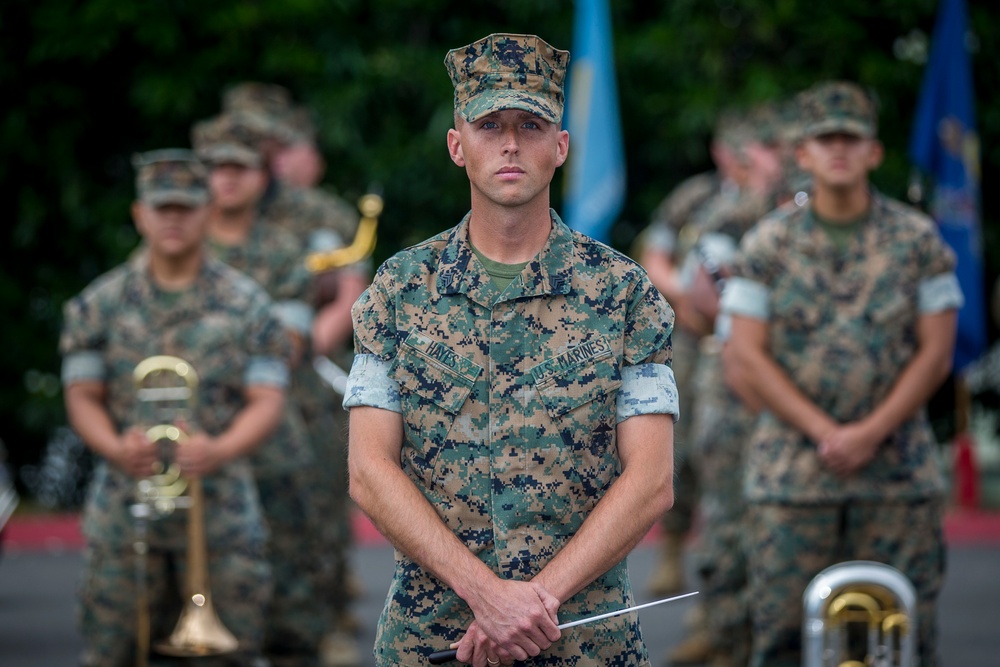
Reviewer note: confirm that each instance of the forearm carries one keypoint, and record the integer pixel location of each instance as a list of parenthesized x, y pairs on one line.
[(778, 394), (332, 327), (919, 379), (253, 424), (399, 510), (89, 417), (636, 500)]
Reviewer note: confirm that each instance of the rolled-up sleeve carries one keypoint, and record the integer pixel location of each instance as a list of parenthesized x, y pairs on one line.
[(647, 389), (940, 293), (83, 366), (747, 298), (369, 384), (266, 370)]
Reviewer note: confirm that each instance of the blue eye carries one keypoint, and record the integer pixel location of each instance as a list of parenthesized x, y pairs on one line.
[(489, 125)]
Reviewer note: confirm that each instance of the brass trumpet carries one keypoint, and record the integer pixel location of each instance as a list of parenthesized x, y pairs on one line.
[(859, 614), (166, 391)]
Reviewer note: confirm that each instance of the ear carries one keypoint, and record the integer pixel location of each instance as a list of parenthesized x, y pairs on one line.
[(455, 147), (138, 217), (802, 156), (562, 148), (875, 155)]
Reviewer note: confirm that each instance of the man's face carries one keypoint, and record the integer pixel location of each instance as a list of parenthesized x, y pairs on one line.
[(236, 187), (173, 231), (299, 164), (839, 160), (509, 155)]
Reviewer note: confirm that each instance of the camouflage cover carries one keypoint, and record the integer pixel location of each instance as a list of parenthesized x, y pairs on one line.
[(506, 71), (509, 409), (170, 176), (837, 106)]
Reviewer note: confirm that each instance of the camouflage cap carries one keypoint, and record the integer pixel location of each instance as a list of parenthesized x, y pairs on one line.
[(170, 176), (272, 105), (233, 137), (837, 106), (505, 71)]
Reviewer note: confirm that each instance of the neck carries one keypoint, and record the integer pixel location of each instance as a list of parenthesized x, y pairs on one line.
[(510, 235), (231, 226), (175, 273), (841, 205)]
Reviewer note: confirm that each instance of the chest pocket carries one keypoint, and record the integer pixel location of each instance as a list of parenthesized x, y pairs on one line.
[(433, 372), (579, 389)]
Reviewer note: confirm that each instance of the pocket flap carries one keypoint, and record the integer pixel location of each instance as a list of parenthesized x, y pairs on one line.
[(577, 376), (432, 370)]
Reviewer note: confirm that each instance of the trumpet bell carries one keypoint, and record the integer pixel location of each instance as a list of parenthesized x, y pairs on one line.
[(198, 632)]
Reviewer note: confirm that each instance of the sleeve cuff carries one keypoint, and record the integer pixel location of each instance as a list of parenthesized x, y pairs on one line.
[(83, 366), (266, 370), (939, 293), (747, 298), (647, 389), (324, 240), (295, 315), (661, 238), (369, 384)]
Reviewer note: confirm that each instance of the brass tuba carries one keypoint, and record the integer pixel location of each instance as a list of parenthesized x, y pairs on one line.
[(166, 389), (859, 614)]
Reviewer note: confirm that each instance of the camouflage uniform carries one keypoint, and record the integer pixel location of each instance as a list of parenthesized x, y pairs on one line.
[(274, 258), (842, 326), (721, 425), (674, 224), (509, 407), (224, 326), (322, 221)]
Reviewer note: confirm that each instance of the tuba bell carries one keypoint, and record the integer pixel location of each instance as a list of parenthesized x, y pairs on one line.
[(166, 390), (859, 614)]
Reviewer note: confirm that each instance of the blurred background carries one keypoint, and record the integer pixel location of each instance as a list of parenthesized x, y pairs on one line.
[(86, 83)]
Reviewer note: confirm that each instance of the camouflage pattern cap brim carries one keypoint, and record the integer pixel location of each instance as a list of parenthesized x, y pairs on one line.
[(230, 154), (507, 71), (840, 126), (176, 197)]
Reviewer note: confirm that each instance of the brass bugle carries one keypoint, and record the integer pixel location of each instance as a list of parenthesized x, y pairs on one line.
[(361, 247)]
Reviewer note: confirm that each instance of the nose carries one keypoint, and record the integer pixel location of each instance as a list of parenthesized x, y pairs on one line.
[(509, 144)]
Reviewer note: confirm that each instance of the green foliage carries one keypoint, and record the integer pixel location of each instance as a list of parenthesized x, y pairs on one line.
[(87, 83)]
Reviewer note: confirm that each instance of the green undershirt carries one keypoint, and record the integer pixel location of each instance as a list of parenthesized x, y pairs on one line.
[(840, 233), (501, 274)]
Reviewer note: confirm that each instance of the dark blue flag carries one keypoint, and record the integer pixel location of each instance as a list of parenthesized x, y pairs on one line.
[(595, 180), (946, 146)]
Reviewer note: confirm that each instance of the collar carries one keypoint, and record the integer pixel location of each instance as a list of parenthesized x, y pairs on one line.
[(549, 272)]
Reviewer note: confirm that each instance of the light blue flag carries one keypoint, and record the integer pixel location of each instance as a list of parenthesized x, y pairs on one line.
[(595, 180), (946, 146)]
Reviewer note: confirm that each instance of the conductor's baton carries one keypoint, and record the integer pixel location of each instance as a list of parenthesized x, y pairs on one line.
[(441, 657)]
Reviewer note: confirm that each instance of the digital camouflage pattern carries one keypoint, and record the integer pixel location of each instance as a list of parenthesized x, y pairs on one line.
[(273, 103), (509, 410), (837, 106), (170, 176), (668, 229), (274, 257), (320, 219), (506, 71), (827, 311), (220, 325), (236, 137), (791, 544), (722, 425)]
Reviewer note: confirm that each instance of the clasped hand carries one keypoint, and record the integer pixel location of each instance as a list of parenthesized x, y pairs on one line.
[(515, 620)]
